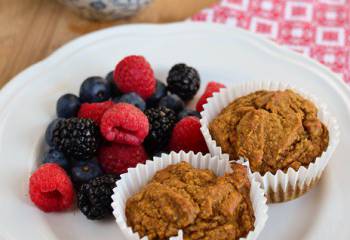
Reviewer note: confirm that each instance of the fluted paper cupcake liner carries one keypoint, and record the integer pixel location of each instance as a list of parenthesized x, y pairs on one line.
[(132, 182), (281, 186)]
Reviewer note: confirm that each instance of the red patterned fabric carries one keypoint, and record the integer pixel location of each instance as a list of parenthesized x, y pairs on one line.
[(317, 28)]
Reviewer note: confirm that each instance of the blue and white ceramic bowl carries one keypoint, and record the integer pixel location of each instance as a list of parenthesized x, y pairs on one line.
[(105, 9)]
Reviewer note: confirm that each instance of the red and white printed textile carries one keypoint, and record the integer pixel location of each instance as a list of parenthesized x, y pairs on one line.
[(317, 28)]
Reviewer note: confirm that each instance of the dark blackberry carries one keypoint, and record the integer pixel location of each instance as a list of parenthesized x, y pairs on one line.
[(162, 121), (183, 81), (77, 138), (94, 198)]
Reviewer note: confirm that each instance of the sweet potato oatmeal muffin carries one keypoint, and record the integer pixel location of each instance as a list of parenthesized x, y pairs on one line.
[(271, 129), (203, 205)]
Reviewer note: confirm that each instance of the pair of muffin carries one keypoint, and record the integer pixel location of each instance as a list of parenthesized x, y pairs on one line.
[(282, 138)]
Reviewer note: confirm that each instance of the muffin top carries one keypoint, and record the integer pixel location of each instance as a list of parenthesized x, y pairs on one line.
[(203, 205), (272, 130)]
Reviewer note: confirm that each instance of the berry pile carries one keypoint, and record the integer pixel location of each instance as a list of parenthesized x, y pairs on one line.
[(114, 124)]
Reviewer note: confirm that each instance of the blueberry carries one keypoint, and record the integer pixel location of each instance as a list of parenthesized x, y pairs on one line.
[(161, 91), (56, 156), (67, 106), (173, 102), (116, 99), (94, 89), (132, 98), (112, 86), (49, 131), (83, 171), (188, 112), (110, 77)]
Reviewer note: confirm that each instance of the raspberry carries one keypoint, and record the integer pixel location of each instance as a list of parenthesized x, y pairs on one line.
[(187, 136), (209, 90), (124, 123), (117, 158), (134, 74), (50, 188), (94, 111)]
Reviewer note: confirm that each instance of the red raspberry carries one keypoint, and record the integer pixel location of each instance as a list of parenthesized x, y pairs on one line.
[(209, 90), (50, 188), (117, 158), (134, 74), (187, 136), (94, 111), (124, 123)]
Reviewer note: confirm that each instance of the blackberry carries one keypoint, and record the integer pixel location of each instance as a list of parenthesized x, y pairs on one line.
[(184, 81), (162, 121), (77, 138), (94, 198)]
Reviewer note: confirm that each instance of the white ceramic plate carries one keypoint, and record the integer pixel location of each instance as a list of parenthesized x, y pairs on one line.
[(228, 55)]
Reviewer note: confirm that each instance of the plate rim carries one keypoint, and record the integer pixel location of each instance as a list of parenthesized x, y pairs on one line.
[(68, 48)]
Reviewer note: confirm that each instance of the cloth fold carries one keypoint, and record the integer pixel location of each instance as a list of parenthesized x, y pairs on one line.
[(316, 28)]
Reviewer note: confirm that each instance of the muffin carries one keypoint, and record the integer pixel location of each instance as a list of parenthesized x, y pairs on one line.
[(271, 129), (198, 198), (203, 205), (286, 136)]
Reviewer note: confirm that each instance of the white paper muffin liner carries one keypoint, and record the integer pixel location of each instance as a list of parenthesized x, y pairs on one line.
[(281, 186), (132, 182)]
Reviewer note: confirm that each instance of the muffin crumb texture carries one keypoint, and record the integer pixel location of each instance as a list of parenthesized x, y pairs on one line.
[(203, 205), (272, 130)]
